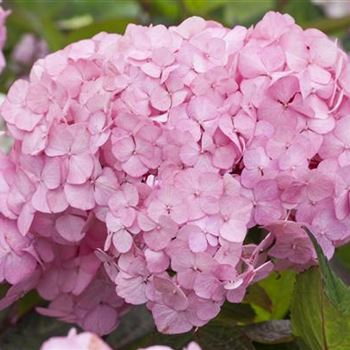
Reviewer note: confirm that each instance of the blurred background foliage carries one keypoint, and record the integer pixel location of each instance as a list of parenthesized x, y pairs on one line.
[(37, 27), (48, 25)]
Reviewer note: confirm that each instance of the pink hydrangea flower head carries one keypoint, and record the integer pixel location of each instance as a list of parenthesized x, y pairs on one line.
[(142, 161)]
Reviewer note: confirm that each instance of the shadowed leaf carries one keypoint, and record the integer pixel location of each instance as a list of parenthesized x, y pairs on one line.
[(279, 302), (270, 332)]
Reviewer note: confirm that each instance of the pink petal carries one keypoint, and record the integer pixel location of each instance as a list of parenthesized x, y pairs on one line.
[(39, 199), (37, 99), (169, 321), (122, 241), (25, 219), (70, 227), (157, 262), (160, 99), (18, 268), (80, 168), (134, 167), (56, 200), (35, 142), (197, 241), (151, 69), (59, 142), (101, 320), (52, 173), (80, 196)]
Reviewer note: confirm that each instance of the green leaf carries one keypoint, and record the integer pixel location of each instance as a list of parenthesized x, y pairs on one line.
[(37, 17), (26, 304), (214, 336), (165, 12), (49, 31), (270, 332), (203, 7), (279, 303), (30, 332), (116, 25), (329, 25), (285, 346), (337, 292), (76, 22), (48, 8), (343, 254), (229, 12), (137, 331), (320, 311), (242, 13), (236, 313), (218, 337), (102, 10), (136, 324), (258, 296), (340, 263), (318, 323), (302, 11)]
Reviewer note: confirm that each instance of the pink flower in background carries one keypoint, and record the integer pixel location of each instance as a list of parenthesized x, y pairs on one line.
[(29, 49), (334, 8), (3, 35), (5, 142), (90, 341), (190, 346), (141, 162), (82, 341)]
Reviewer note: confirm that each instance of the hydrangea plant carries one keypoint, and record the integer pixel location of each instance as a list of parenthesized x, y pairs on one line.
[(143, 165)]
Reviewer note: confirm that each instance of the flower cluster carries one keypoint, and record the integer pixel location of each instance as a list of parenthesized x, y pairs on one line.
[(148, 157), (90, 341), (74, 341)]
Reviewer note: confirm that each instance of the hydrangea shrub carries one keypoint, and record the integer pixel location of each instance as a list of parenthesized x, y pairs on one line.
[(142, 162)]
